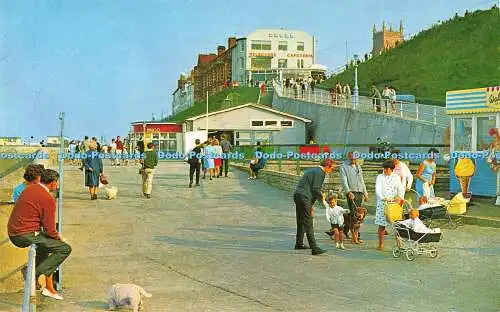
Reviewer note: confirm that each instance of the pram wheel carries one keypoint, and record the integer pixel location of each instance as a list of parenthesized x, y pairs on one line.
[(396, 252), (410, 255), (433, 253)]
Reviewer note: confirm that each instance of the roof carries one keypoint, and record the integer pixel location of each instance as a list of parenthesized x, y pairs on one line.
[(258, 106), (206, 58), (153, 123)]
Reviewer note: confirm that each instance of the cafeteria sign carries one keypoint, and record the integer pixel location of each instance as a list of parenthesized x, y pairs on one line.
[(493, 97)]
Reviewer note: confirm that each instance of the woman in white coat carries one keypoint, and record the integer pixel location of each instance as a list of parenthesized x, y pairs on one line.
[(388, 188)]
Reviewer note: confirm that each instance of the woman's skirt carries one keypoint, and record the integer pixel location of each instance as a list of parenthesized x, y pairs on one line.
[(217, 162), (380, 219), (209, 163)]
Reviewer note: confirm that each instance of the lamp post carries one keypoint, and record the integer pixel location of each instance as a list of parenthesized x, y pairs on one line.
[(356, 89)]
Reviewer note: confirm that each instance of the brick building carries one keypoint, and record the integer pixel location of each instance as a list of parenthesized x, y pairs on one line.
[(386, 38), (213, 71)]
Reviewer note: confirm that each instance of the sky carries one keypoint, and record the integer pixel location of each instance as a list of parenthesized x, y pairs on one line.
[(108, 63)]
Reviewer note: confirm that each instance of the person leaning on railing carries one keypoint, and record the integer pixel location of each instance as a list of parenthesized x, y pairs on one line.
[(32, 221)]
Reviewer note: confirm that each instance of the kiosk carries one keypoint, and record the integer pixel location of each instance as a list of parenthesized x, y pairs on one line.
[(475, 113)]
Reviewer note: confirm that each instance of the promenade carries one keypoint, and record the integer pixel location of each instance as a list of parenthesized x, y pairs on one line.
[(228, 246)]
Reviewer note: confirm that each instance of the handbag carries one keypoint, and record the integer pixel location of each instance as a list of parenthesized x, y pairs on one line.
[(103, 179), (393, 212)]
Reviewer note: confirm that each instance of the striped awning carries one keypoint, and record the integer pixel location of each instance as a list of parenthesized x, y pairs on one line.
[(481, 100)]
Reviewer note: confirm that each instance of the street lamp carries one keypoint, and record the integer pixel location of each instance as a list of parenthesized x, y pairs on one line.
[(356, 89)]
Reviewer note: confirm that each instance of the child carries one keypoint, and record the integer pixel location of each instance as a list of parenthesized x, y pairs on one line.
[(334, 215), (32, 175), (417, 225)]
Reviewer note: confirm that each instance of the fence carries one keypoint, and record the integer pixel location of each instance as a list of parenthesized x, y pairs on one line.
[(29, 296), (414, 111), (294, 159)]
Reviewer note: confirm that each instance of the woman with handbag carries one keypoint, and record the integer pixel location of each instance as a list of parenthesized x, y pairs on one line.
[(388, 188), (93, 170)]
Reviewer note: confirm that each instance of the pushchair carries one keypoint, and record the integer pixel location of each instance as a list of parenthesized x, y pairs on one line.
[(438, 210), (408, 241), (412, 243)]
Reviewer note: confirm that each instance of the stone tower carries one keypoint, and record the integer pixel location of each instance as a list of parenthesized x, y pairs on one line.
[(386, 39)]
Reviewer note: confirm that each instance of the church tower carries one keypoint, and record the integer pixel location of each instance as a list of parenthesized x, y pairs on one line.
[(386, 39)]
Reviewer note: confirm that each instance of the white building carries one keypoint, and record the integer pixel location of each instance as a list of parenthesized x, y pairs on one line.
[(250, 123), (266, 53)]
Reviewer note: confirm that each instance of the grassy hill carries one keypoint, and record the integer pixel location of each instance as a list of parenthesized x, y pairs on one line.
[(238, 96), (460, 53)]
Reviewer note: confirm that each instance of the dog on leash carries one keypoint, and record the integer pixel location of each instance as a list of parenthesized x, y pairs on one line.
[(127, 295), (355, 223)]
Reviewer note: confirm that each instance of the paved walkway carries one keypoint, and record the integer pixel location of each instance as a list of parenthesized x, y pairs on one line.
[(228, 246)]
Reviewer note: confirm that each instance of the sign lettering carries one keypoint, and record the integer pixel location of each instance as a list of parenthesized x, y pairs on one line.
[(493, 97)]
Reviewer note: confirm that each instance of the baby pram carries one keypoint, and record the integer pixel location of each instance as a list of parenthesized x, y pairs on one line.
[(412, 243), (437, 210)]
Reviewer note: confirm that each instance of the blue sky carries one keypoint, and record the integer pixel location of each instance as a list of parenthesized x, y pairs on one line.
[(107, 63)]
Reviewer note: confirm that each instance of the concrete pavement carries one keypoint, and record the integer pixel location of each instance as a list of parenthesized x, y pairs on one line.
[(228, 246)]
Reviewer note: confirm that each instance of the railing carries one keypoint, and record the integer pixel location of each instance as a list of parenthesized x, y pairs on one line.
[(29, 297), (414, 111), (287, 158)]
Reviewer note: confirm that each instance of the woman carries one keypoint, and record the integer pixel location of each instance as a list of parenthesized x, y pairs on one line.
[(494, 149), (217, 156), (388, 188), (208, 153), (93, 169), (426, 176), (402, 170)]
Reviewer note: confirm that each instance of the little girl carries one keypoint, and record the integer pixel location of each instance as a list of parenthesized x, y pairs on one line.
[(334, 215)]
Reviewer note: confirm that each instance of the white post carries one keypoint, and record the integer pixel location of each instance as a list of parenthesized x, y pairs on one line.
[(401, 108), (435, 115), (417, 111), (58, 279), (206, 117)]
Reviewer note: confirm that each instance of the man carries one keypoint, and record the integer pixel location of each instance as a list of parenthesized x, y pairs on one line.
[(119, 151), (386, 95), (354, 187), (148, 167), (112, 151), (195, 163), (32, 175), (226, 149), (35, 208), (376, 97), (401, 169), (308, 190)]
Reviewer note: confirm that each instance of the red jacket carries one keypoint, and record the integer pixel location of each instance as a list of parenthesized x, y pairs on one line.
[(119, 145), (35, 207)]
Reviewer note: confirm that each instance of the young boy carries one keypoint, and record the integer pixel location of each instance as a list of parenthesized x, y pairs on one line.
[(335, 215), (416, 224), (32, 175)]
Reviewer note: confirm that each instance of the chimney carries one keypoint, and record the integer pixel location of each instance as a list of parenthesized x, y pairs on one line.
[(220, 50), (231, 42)]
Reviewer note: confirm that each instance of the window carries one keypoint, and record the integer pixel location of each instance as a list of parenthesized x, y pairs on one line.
[(282, 45), (156, 136), (301, 63), (261, 45), (261, 62), (272, 123), (484, 124), (257, 123), (298, 63), (286, 123), (282, 63), (463, 134), (300, 46), (242, 63), (243, 135), (172, 135)]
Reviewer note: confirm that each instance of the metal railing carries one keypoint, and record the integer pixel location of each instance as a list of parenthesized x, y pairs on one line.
[(29, 297), (414, 111)]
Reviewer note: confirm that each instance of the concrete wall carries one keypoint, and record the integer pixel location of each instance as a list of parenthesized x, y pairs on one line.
[(348, 126)]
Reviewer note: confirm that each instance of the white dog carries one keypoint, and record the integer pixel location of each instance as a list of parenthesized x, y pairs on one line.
[(127, 295), (111, 192)]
